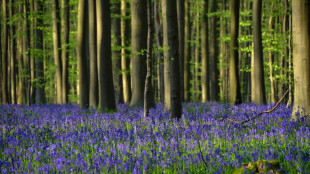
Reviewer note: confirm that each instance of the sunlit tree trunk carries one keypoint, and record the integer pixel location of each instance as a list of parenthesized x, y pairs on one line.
[(149, 101), (82, 37), (64, 48), (196, 85), (301, 59), (57, 52), (138, 44), (205, 52), (235, 95), (258, 95), (106, 89), (26, 55), (93, 84), (12, 56), (125, 62), (187, 52)]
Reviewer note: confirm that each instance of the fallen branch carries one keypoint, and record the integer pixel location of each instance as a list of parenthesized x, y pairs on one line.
[(265, 112)]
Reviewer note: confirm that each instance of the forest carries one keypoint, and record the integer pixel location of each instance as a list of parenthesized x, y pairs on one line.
[(154, 86)]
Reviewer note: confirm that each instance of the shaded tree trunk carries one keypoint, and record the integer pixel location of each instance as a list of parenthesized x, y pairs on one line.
[(12, 57), (4, 82), (124, 60), (39, 68), (149, 101), (138, 46), (214, 72), (26, 56), (82, 37), (57, 52), (106, 90), (205, 53), (180, 10), (93, 84), (116, 56), (64, 48), (301, 59), (235, 94), (170, 31), (258, 95)]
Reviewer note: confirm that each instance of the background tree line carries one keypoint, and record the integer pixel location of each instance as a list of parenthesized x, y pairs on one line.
[(99, 53)]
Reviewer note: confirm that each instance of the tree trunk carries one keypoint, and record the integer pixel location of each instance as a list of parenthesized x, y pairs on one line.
[(116, 54), (39, 68), (214, 72), (180, 10), (258, 95), (82, 37), (301, 59), (149, 101), (197, 57), (235, 95), (93, 84), (205, 53), (12, 57), (138, 46), (4, 83), (170, 31), (187, 52), (57, 52), (19, 58), (124, 60), (26, 51), (64, 48), (106, 90)]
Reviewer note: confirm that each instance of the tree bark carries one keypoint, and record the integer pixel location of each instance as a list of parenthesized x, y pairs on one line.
[(106, 90), (124, 59), (39, 68), (214, 72), (235, 94), (82, 37), (187, 52), (258, 95), (149, 101), (93, 84), (12, 57), (26, 52), (138, 46), (116, 54), (301, 59), (197, 57), (170, 31), (4, 83), (180, 10), (64, 48), (57, 52), (205, 53)]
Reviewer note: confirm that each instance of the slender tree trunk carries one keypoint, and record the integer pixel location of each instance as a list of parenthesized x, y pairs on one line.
[(149, 101), (205, 52), (39, 67), (170, 29), (106, 90), (19, 58), (159, 42), (187, 52), (301, 59), (26, 52), (180, 10), (214, 72), (197, 57), (57, 52), (235, 94), (138, 44), (82, 37), (270, 59), (116, 54), (124, 60), (12, 57), (258, 95), (4, 83), (93, 84), (64, 48)]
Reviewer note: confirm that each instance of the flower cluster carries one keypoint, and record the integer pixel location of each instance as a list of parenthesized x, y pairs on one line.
[(67, 139)]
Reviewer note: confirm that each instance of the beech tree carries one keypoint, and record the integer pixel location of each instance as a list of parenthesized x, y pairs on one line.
[(4, 82), (205, 53)]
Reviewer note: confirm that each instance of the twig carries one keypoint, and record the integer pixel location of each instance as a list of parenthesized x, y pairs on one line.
[(265, 112), (203, 158)]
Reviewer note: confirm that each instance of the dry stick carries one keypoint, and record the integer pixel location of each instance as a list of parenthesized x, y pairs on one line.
[(203, 158), (268, 111)]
